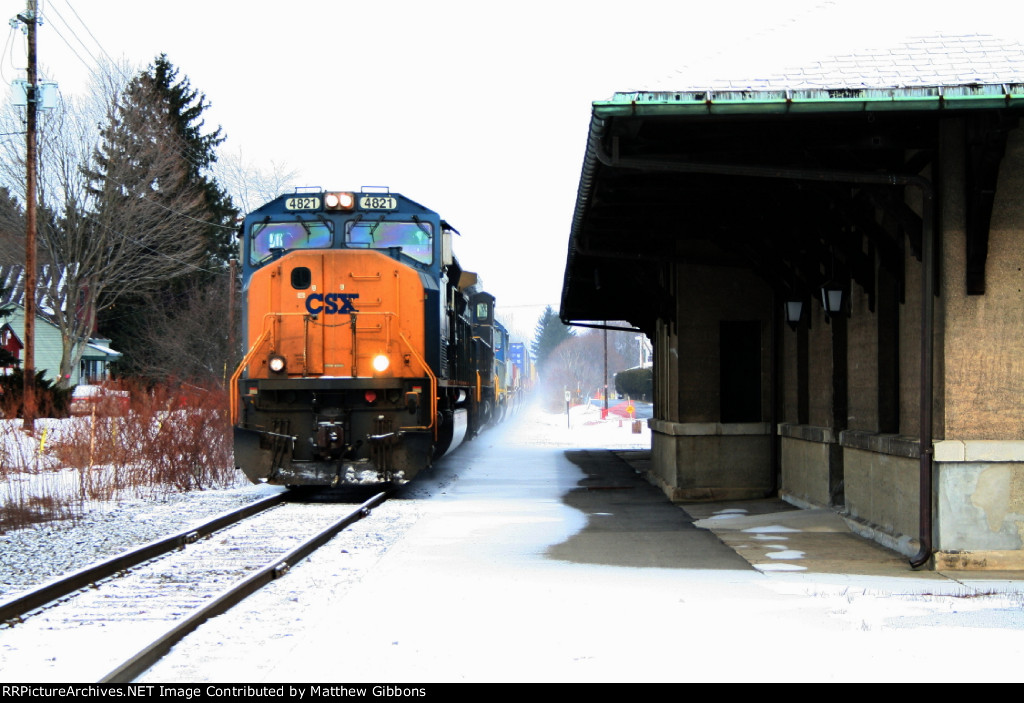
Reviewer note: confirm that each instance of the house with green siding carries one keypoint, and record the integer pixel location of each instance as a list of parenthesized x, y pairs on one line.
[(96, 357), (96, 354)]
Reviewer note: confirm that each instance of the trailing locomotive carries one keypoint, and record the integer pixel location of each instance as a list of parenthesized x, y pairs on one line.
[(370, 351)]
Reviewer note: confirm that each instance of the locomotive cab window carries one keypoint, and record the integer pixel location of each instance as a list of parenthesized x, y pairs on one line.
[(414, 239), (482, 312), (270, 238)]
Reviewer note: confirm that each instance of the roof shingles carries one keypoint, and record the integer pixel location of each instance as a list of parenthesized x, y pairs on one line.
[(933, 60)]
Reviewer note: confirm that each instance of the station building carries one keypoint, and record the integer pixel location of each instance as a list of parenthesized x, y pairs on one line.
[(830, 266)]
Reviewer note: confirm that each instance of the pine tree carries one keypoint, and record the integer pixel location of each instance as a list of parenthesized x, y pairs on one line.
[(12, 229), (550, 332), (159, 107), (185, 107)]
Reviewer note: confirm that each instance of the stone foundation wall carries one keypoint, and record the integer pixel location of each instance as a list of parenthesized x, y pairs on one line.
[(710, 460), (882, 492), (805, 461), (980, 504)]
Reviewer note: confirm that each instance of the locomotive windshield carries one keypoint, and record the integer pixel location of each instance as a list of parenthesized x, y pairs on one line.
[(414, 238), (268, 238)]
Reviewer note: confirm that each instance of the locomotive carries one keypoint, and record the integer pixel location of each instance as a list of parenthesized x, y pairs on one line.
[(371, 352)]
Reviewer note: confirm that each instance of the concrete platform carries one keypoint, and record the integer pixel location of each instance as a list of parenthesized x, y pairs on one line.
[(774, 536), (529, 562), (631, 523)]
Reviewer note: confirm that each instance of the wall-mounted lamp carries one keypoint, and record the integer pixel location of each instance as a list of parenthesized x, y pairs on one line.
[(832, 300), (794, 309)]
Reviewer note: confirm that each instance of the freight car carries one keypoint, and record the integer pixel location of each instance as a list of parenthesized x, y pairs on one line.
[(371, 352)]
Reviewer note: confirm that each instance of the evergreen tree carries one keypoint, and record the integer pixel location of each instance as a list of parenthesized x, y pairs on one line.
[(12, 229), (159, 107), (550, 332), (185, 107)]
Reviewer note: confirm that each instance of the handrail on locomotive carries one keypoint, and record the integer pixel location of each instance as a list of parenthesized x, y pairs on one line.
[(309, 414)]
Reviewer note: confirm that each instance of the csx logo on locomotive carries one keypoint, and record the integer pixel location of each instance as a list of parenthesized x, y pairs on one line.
[(331, 303)]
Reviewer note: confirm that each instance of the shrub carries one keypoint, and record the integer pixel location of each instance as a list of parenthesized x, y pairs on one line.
[(169, 439), (636, 383)]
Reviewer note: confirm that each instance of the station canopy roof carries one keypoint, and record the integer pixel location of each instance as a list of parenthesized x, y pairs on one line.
[(787, 175)]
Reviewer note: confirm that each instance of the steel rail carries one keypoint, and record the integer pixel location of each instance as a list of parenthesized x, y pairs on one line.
[(153, 652), (26, 602)]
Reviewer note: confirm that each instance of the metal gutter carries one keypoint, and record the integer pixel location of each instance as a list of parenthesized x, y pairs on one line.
[(810, 100), (582, 197), (604, 326)]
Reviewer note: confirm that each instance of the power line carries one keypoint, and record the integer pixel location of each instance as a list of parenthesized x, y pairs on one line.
[(148, 248), (146, 196), (7, 44), (183, 152), (79, 18), (75, 35)]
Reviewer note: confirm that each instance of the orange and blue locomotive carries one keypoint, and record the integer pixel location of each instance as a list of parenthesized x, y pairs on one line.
[(365, 356)]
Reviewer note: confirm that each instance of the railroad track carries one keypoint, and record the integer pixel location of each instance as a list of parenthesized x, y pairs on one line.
[(112, 621)]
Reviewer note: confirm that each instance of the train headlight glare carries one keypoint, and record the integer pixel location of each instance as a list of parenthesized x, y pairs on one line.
[(276, 364), (339, 201), (380, 363)]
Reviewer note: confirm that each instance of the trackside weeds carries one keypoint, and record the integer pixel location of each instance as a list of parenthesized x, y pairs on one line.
[(164, 440)]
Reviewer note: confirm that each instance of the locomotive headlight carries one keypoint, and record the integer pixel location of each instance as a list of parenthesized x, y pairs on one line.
[(339, 201), (276, 363), (380, 363)]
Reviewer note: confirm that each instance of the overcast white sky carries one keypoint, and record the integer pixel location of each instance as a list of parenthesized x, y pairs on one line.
[(478, 110)]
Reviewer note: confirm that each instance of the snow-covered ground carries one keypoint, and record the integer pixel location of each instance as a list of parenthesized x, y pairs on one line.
[(471, 592), (34, 477), (37, 554), (451, 584), (581, 427)]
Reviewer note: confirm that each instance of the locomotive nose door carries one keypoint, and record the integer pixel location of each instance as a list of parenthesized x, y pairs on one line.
[(301, 329)]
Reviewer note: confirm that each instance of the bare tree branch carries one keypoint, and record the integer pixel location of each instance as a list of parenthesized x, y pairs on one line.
[(250, 186), (121, 216)]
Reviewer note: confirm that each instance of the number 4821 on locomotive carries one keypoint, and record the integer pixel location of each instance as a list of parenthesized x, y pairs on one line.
[(370, 351)]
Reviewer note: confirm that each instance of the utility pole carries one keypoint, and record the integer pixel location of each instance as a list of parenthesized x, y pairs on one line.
[(605, 414), (30, 18), (230, 363)]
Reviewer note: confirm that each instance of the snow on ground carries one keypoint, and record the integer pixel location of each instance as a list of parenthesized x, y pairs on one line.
[(471, 593), (35, 555), (481, 610), (581, 427)]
